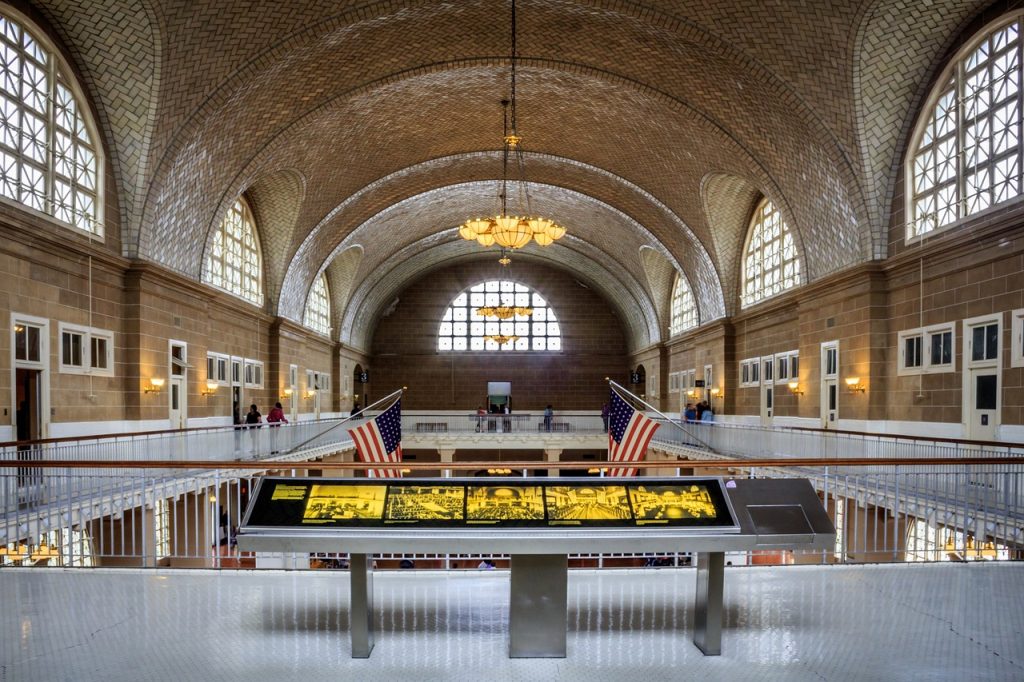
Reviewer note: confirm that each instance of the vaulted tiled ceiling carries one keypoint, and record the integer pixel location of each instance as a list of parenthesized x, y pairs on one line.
[(377, 125)]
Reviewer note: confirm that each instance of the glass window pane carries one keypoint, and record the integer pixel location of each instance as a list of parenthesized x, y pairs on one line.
[(978, 343), (985, 392), (991, 341)]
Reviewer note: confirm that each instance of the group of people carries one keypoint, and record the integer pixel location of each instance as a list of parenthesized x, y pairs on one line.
[(254, 419), (700, 412)]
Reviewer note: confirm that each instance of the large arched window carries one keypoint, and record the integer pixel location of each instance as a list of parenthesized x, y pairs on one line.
[(770, 263), (967, 144), (233, 260), (684, 310), (463, 328), (318, 307), (48, 149)]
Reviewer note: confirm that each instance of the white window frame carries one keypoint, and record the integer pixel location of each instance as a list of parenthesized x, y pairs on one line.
[(674, 381), (87, 334), (968, 326), (787, 357), (753, 366), (252, 373), (215, 362), (1017, 340), (926, 334), (825, 348)]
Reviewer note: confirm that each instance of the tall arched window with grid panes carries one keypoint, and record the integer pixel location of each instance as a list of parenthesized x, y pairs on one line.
[(49, 148), (318, 307), (465, 327), (770, 262), (966, 149), (233, 260), (683, 308)]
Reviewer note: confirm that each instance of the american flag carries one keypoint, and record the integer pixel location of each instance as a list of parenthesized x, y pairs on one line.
[(380, 440), (629, 432)]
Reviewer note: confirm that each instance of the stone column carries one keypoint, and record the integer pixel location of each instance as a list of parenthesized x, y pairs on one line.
[(447, 457), (552, 455)]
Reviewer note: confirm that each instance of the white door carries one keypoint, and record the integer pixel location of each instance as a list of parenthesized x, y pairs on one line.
[(767, 390), (830, 384), (178, 384), (982, 375), (176, 397)]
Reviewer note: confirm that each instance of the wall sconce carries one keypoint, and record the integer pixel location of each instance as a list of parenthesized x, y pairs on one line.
[(308, 395), (286, 394), (716, 392), (156, 384), (691, 393), (211, 388), (794, 388), (854, 386)]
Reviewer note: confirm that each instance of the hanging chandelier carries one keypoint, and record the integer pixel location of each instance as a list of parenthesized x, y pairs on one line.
[(504, 312), (501, 339), (512, 231)]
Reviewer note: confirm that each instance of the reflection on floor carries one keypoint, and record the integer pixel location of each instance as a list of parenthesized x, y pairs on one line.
[(887, 622)]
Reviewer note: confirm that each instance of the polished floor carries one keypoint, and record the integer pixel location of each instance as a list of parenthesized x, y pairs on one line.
[(886, 622)]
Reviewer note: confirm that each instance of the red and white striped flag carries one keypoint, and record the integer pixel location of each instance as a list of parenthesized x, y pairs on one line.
[(629, 433), (380, 441)]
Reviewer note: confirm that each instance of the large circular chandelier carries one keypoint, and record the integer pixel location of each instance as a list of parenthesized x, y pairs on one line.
[(503, 228)]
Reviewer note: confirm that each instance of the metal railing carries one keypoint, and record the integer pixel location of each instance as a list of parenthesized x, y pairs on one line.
[(521, 423), (158, 514)]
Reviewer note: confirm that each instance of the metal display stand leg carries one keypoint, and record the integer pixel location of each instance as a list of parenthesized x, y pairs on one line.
[(707, 616), (538, 606), (360, 568)]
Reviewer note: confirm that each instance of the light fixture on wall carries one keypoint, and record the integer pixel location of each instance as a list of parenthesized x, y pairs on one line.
[(211, 388), (156, 384), (512, 231), (794, 388), (286, 394), (854, 386)]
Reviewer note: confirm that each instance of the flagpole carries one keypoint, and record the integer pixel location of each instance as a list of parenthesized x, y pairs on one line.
[(356, 415), (664, 416)]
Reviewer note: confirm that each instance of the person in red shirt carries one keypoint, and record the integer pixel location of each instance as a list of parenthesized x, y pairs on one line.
[(275, 419)]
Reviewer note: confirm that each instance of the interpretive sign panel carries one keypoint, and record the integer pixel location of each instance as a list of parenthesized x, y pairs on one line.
[(354, 503)]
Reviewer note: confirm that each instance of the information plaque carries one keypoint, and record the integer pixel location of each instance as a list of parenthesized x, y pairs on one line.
[(355, 503)]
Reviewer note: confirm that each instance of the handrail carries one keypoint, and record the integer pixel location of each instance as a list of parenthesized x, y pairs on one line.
[(930, 439), (533, 464)]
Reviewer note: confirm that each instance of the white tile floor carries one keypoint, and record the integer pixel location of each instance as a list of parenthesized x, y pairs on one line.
[(899, 622)]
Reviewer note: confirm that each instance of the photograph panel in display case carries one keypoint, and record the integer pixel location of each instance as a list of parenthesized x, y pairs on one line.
[(504, 504)]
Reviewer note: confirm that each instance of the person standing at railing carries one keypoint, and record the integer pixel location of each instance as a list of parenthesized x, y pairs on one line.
[(708, 415), (690, 413), (506, 421), (604, 416), (275, 419), (549, 414), (481, 414), (253, 421)]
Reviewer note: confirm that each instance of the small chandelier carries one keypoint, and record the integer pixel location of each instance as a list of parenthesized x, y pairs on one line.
[(500, 339), (512, 231)]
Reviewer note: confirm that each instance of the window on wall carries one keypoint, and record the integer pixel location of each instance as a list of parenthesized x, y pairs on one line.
[(926, 350), (770, 263), (233, 260), (464, 329), (48, 153), (750, 372), (217, 368), (86, 350), (684, 310), (253, 370), (318, 307), (1017, 328), (967, 145)]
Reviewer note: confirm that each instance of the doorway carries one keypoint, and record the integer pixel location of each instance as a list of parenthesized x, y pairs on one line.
[(830, 385), (982, 377), (767, 389)]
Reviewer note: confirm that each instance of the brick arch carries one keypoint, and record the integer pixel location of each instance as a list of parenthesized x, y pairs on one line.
[(341, 276), (661, 275), (649, 220), (275, 199), (900, 45), (125, 79), (833, 224), (624, 294)]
